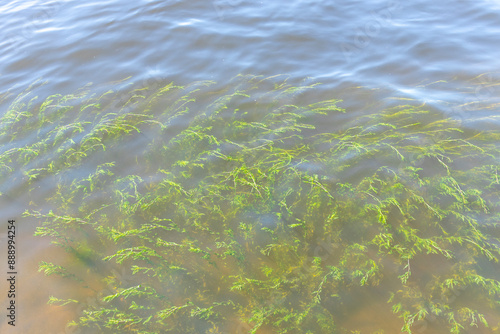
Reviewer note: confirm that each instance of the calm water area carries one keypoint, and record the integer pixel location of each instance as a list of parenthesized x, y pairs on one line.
[(372, 55)]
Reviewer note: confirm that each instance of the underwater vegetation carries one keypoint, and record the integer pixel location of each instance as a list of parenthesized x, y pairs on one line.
[(232, 213)]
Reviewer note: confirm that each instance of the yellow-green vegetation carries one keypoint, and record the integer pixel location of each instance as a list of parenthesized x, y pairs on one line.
[(230, 211)]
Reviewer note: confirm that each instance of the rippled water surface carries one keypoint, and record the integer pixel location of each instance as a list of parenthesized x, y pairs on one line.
[(391, 44), (442, 56)]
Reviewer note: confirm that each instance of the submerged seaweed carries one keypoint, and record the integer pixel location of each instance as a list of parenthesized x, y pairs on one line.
[(241, 217)]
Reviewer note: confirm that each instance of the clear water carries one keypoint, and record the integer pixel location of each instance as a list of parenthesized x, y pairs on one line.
[(370, 54)]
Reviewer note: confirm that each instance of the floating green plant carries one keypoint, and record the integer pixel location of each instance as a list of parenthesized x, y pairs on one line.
[(230, 212)]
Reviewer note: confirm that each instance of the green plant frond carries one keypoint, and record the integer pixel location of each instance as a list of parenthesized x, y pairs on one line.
[(235, 205)]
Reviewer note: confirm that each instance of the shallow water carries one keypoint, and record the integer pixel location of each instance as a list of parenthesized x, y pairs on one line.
[(371, 54)]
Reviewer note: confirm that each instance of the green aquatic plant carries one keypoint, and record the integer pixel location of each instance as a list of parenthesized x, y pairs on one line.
[(231, 212)]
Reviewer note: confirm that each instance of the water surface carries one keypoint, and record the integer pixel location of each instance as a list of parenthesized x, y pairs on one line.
[(371, 54)]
